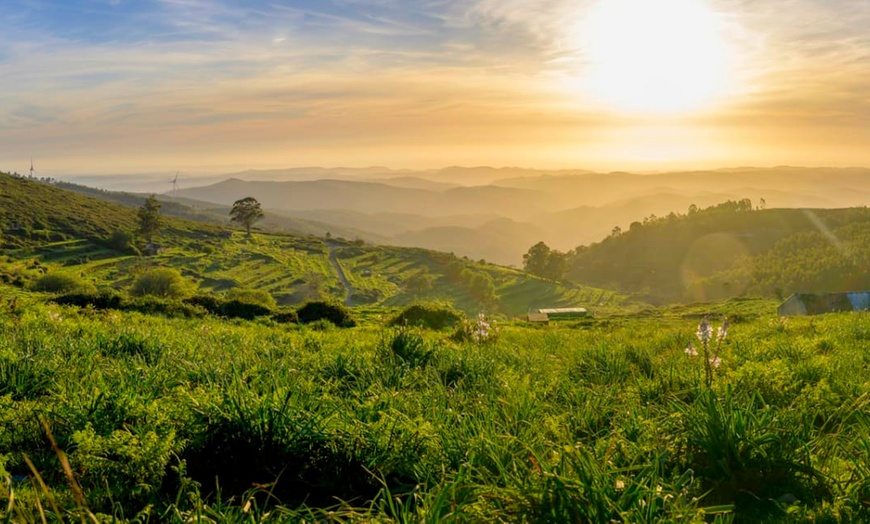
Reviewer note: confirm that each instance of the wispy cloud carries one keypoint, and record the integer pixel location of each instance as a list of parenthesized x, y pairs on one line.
[(421, 81)]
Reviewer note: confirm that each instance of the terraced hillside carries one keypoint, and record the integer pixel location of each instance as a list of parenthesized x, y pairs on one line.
[(73, 238)]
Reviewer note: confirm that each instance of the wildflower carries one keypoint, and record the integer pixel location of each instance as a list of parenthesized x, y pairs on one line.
[(705, 331), (691, 351), (715, 362), (723, 331), (620, 485), (55, 317), (481, 329)]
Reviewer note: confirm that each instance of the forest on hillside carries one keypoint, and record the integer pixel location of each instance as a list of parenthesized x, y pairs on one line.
[(732, 249)]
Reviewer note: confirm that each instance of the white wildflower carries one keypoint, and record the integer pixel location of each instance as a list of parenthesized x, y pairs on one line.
[(691, 351), (705, 331), (723, 332), (715, 362)]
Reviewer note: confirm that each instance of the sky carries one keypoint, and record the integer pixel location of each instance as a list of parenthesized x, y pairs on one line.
[(133, 86)]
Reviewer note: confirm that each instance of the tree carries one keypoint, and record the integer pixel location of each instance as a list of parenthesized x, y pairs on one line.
[(420, 282), (149, 218), (245, 212), (557, 265), (536, 259), (544, 262)]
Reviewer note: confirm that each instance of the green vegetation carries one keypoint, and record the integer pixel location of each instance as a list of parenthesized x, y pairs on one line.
[(173, 419), (149, 218), (183, 386), (246, 212), (336, 314), (61, 283), (161, 282), (430, 316), (91, 238), (732, 250), (544, 262)]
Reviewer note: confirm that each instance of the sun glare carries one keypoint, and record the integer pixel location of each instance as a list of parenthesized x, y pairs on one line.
[(663, 56)]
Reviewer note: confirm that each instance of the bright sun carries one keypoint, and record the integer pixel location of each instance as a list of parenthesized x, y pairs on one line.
[(662, 56)]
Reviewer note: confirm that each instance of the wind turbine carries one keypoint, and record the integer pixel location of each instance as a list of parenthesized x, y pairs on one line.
[(31, 167), (174, 183)]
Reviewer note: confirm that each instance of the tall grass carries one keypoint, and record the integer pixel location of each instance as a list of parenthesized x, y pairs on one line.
[(190, 418)]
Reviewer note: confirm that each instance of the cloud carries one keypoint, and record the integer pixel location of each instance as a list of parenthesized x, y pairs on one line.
[(410, 79)]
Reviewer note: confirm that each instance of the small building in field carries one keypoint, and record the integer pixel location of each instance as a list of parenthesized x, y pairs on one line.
[(547, 314), (820, 303)]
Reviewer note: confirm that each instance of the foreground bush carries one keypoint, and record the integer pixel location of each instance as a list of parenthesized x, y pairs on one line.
[(245, 310), (229, 308), (61, 283), (97, 300), (334, 313), (252, 296), (161, 282), (432, 316)]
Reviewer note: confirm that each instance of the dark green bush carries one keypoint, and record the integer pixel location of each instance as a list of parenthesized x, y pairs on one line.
[(98, 300), (161, 282), (120, 241), (432, 316), (334, 313), (228, 308), (247, 311), (61, 283), (210, 303), (159, 306), (252, 296), (286, 317)]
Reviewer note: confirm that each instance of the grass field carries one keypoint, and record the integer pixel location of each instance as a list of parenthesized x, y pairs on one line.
[(294, 269), (601, 420)]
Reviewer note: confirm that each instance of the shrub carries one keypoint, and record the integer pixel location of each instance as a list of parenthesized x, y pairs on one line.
[(334, 313), (237, 309), (228, 308), (61, 283), (286, 317), (120, 241), (99, 300), (151, 305), (432, 316), (252, 296), (160, 282), (210, 303)]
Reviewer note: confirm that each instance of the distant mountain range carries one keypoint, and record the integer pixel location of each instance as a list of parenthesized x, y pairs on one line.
[(497, 213)]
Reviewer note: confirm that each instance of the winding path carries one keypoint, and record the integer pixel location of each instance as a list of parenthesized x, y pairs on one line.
[(348, 300)]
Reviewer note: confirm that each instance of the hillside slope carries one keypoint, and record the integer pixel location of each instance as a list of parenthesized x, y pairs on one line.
[(57, 230), (32, 211), (731, 250)]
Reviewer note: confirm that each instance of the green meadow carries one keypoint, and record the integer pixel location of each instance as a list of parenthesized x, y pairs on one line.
[(600, 420)]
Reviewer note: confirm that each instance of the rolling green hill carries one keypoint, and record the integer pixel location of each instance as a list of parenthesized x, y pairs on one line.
[(47, 228), (732, 250)]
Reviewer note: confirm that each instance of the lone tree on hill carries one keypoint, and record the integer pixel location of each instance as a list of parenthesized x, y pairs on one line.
[(544, 262), (149, 218), (245, 212)]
